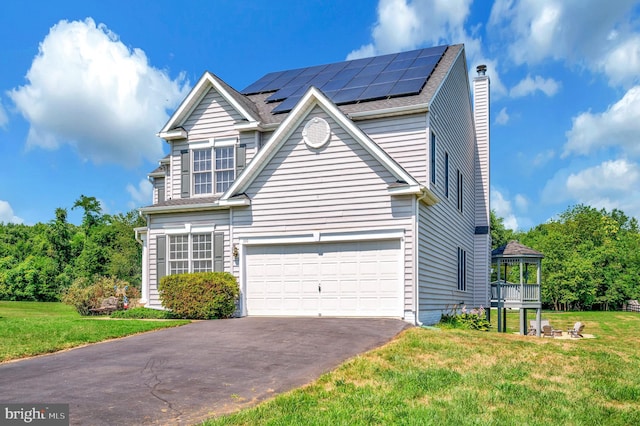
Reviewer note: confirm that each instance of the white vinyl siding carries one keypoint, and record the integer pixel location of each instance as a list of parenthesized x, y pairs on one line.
[(443, 229), (340, 187), (404, 139)]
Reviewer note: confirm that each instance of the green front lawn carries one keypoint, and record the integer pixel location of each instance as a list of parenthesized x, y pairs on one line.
[(457, 377), (33, 328)]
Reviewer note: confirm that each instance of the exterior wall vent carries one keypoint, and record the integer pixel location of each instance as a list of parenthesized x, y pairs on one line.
[(316, 133)]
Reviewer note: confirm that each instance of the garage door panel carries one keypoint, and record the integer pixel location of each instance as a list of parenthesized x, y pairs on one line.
[(355, 278)]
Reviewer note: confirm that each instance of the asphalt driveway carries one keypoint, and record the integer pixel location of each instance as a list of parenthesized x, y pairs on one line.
[(187, 374)]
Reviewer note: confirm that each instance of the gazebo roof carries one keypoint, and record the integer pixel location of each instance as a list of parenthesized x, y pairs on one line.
[(514, 249)]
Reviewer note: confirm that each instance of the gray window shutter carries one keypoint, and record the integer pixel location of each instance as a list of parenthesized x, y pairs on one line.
[(161, 256), (241, 158), (218, 251), (160, 190), (185, 173)]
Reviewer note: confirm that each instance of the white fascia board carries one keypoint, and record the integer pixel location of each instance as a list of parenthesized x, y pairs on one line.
[(192, 99), (173, 134), (405, 190), (248, 126), (182, 208), (231, 202), (195, 96), (312, 97)]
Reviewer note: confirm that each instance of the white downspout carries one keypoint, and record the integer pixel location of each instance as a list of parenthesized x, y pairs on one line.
[(416, 255), (142, 239)]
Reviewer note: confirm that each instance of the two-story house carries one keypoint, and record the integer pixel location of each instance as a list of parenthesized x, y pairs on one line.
[(358, 188)]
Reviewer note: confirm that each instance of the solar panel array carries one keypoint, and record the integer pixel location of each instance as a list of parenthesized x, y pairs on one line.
[(366, 79)]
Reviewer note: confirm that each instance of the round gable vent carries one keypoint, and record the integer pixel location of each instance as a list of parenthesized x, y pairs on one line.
[(316, 133)]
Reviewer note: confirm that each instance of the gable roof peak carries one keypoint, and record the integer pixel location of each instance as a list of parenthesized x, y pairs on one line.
[(244, 106)]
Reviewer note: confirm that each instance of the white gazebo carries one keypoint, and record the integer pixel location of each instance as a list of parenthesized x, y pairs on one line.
[(523, 295)]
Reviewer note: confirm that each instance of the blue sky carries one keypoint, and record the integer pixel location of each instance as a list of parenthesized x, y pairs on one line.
[(86, 85)]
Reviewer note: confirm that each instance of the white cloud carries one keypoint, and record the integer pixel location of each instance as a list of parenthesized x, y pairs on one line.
[(522, 203), (406, 25), (613, 177), (588, 33), (88, 89), (618, 126), (544, 157), (503, 117), (140, 195), (503, 209), (622, 62), (6, 213), (611, 184), (530, 85), (4, 119)]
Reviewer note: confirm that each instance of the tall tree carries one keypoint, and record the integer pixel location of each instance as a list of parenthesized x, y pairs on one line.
[(92, 211)]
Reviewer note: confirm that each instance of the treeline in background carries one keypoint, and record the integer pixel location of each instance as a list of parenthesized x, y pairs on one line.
[(41, 261), (591, 257)]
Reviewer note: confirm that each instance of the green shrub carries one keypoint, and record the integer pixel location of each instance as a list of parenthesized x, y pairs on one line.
[(475, 319), (200, 295), (85, 294), (143, 313)]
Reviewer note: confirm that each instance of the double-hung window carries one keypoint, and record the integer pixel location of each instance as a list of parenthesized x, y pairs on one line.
[(178, 254), (195, 252), (432, 158), (202, 176), (462, 269), (201, 253), (225, 168), (209, 167), (460, 191)]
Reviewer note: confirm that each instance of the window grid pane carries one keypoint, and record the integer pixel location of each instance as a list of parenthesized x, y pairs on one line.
[(202, 176), (225, 168), (201, 251), (178, 254)]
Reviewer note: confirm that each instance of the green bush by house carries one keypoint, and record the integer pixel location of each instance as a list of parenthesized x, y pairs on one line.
[(200, 295)]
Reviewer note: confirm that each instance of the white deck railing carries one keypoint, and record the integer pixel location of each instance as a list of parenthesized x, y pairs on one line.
[(510, 292)]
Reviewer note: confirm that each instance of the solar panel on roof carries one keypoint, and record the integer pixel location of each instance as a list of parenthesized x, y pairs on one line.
[(347, 94), (357, 80), (386, 77), (407, 86), (376, 91), (287, 104)]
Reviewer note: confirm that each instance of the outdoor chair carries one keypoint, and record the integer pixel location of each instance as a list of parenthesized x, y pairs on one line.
[(576, 331), (533, 326)]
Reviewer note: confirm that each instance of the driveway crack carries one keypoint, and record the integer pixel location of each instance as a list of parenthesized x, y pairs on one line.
[(151, 375)]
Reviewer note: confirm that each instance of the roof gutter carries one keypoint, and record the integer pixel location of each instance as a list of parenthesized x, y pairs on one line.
[(389, 112), (178, 133), (219, 205)]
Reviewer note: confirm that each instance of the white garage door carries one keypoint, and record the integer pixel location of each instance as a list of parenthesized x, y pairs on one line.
[(328, 279)]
